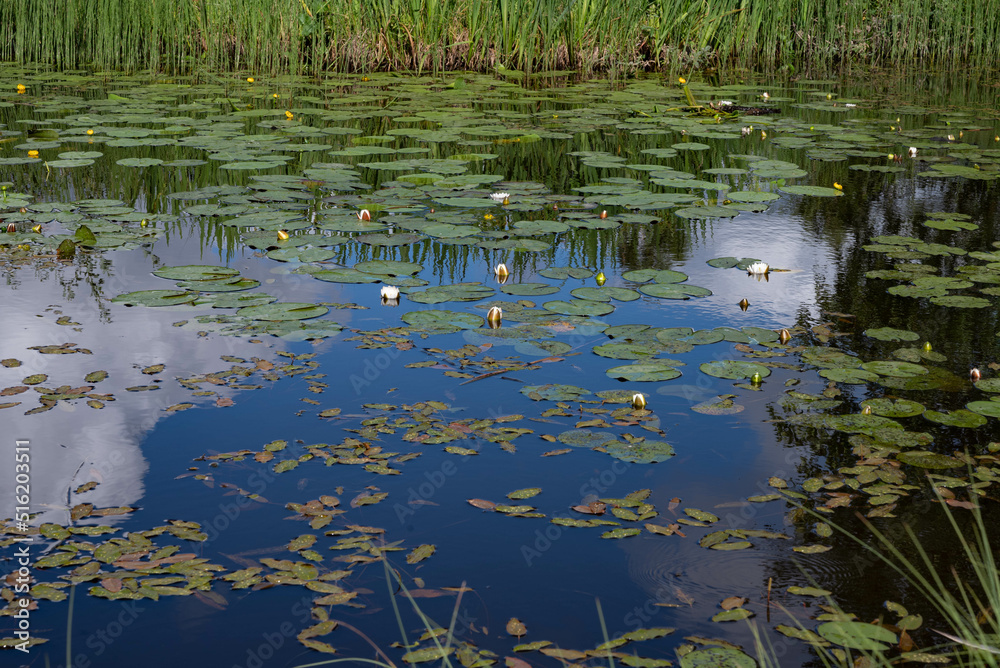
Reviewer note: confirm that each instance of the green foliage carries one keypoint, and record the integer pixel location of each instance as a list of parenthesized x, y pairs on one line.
[(513, 37)]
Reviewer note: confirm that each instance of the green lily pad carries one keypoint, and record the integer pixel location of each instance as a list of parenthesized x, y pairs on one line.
[(857, 635), (890, 334), (388, 268), (555, 392), (578, 307), (640, 452), (849, 376), (459, 292), (960, 301), (657, 275), (721, 405), (196, 272), (605, 294), (724, 262), (585, 438), (717, 657), (928, 460), (562, 273), (644, 372), (529, 289), (280, 311), (156, 298), (894, 408), (812, 191), (956, 418), (895, 369), (986, 408), (674, 291), (734, 369), (440, 321)]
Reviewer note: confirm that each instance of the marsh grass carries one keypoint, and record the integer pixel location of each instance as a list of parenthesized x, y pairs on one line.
[(316, 36), (968, 605)]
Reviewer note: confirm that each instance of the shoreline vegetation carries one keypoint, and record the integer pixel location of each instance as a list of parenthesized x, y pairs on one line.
[(428, 36)]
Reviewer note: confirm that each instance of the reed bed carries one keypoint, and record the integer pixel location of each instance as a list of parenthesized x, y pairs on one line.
[(623, 37)]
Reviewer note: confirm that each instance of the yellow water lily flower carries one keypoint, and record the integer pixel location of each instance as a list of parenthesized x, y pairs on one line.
[(32, 153), (90, 132), (249, 79), (837, 186), (289, 115)]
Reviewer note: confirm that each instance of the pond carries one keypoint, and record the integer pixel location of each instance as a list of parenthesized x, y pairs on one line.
[(731, 340)]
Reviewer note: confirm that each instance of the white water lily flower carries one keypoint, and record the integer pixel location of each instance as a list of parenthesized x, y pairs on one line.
[(850, 104), (912, 152), (758, 268), (765, 95), (499, 197), (746, 130), (390, 292), (725, 103)]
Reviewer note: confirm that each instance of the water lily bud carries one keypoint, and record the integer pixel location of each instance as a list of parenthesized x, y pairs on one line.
[(867, 410), (600, 278), (638, 402), (282, 235), (11, 228), (494, 317), (604, 214), (784, 336), (974, 375), (37, 229), (364, 214), (756, 379), (143, 223), (744, 304), (927, 346), (501, 271)]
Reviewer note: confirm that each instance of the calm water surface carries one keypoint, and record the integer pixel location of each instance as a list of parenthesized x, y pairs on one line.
[(148, 453)]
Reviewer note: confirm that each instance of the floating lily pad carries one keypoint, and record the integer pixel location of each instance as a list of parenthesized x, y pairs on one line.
[(529, 289), (721, 405), (960, 301), (562, 273), (156, 298), (196, 272), (956, 418), (895, 369), (890, 334), (857, 635), (280, 311), (605, 294), (657, 275), (556, 392), (674, 291), (812, 191), (849, 376), (986, 408), (579, 307), (585, 438), (459, 292), (894, 408), (717, 657), (928, 460), (644, 372), (442, 321), (640, 452), (734, 369)]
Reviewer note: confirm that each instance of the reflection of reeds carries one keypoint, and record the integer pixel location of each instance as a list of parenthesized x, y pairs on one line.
[(271, 36)]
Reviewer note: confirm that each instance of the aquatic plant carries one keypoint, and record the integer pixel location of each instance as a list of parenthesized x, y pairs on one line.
[(512, 37)]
